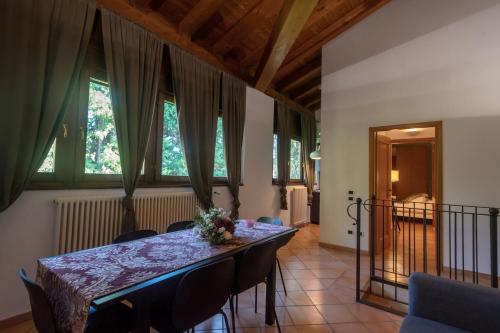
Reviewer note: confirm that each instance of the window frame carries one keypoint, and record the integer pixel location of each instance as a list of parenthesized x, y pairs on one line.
[(69, 166), (301, 180)]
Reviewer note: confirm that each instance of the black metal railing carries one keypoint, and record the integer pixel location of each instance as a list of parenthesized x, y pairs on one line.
[(452, 240)]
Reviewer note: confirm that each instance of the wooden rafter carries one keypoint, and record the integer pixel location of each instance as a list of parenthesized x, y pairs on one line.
[(311, 98), (245, 25), (156, 4), (323, 8), (298, 56), (306, 88), (299, 77), (315, 106), (198, 16), (277, 95), (292, 18)]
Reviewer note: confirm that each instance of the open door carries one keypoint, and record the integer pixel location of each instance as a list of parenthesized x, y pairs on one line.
[(383, 191)]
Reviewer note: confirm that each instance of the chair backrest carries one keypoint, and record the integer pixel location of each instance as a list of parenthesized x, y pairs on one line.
[(178, 226), (202, 293), (134, 235), (41, 309), (270, 220), (254, 265)]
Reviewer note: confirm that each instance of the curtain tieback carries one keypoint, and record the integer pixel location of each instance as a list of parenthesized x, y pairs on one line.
[(128, 203)]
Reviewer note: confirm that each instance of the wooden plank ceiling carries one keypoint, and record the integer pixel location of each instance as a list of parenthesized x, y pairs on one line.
[(274, 45)]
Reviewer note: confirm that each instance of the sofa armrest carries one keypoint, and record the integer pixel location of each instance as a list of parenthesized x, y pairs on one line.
[(459, 304)]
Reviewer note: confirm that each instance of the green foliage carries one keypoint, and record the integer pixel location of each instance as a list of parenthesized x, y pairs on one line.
[(48, 164), (295, 159), (275, 156), (173, 160), (220, 158), (172, 157), (101, 149)]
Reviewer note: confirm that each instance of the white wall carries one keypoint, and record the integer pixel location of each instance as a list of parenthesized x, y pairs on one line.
[(27, 227), (440, 60)]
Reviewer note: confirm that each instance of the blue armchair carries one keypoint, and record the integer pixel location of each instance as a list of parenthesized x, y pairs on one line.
[(439, 305)]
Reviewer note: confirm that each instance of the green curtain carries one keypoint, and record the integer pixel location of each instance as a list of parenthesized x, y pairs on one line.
[(42, 48), (233, 118), (308, 126), (197, 94), (283, 151), (133, 62)]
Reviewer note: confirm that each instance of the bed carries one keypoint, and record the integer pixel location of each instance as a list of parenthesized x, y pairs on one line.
[(415, 205)]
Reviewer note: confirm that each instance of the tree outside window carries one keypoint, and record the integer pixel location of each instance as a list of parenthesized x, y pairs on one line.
[(48, 165), (295, 160), (275, 156), (101, 148), (173, 160)]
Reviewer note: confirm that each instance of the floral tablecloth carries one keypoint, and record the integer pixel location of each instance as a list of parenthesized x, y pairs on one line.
[(72, 281)]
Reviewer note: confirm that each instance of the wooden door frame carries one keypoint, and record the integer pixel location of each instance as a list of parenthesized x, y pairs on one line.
[(438, 125)]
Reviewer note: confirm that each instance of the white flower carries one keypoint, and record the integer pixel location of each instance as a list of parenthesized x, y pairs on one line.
[(227, 235), (222, 229)]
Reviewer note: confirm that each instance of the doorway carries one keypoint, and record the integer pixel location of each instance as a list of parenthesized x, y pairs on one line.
[(406, 186)]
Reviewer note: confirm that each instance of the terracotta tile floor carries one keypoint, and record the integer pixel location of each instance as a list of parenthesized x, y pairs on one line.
[(321, 296)]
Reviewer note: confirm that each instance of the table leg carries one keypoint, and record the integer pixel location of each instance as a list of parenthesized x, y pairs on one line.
[(143, 315), (271, 294)]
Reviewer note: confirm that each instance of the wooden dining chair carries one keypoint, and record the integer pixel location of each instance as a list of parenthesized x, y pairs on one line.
[(134, 235), (181, 225), (275, 221), (116, 318), (252, 268), (200, 295)]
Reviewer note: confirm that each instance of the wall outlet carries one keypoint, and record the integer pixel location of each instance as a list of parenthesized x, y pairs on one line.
[(350, 232)]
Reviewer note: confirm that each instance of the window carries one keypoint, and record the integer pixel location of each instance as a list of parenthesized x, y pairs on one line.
[(101, 146), (295, 160), (275, 156), (86, 154), (173, 162), (220, 169), (49, 164)]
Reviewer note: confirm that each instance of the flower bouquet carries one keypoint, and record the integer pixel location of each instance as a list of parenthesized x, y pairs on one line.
[(214, 226)]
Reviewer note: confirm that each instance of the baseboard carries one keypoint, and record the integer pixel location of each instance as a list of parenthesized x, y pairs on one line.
[(300, 224), (17, 319), (341, 248)]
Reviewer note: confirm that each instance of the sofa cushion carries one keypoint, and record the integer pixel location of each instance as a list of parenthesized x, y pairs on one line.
[(412, 324)]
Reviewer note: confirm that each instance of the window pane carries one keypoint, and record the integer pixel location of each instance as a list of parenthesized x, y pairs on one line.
[(275, 156), (172, 157), (101, 151), (220, 159), (48, 164), (295, 160)]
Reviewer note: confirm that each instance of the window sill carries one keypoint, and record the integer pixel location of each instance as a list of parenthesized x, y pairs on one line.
[(290, 183), (54, 185)]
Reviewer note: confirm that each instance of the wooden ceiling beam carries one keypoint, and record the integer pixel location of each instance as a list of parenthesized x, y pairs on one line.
[(156, 23), (315, 107), (279, 96), (323, 8), (299, 77), (292, 17), (156, 4), (314, 96), (198, 16), (245, 25), (306, 88), (306, 50)]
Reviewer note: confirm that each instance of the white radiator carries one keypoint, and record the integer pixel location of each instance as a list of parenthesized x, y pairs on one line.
[(87, 222), (298, 209)]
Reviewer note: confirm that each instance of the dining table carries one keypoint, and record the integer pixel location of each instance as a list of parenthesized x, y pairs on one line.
[(142, 271)]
